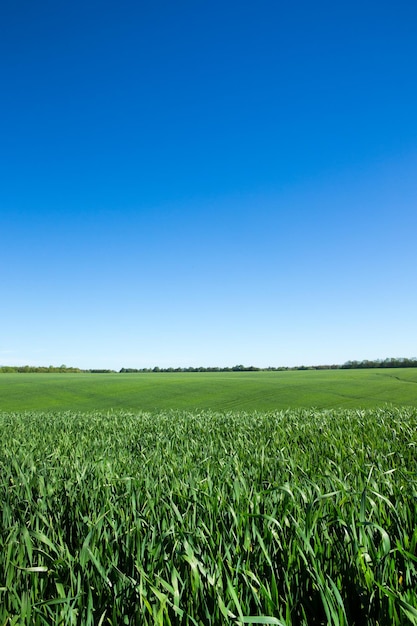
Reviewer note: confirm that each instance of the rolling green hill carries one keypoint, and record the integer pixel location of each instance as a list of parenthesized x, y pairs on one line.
[(223, 391)]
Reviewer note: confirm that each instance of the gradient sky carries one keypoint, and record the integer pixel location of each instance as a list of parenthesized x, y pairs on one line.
[(188, 183)]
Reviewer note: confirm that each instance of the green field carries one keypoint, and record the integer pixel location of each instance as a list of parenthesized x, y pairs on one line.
[(262, 391), (300, 517), (209, 498)]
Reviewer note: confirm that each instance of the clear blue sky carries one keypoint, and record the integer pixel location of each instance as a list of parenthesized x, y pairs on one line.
[(207, 183)]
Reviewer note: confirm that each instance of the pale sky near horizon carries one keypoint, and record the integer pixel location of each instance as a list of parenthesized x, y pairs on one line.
[(193, 183)]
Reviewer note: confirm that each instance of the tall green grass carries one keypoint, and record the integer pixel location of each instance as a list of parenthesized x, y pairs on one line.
[(294, 517)]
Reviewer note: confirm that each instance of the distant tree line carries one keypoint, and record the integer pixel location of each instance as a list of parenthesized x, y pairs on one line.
[(392, 362), (380, 363), (366, 364), (235, 368), (34, 369)]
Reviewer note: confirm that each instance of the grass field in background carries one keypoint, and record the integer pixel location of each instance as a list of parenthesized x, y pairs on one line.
[(261, 391)]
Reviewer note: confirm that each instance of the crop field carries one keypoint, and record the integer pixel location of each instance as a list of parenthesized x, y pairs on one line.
[(248, 391), (198, 517)]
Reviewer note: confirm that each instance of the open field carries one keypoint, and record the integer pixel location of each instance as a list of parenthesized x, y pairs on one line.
[(196, 518), (261, 391), (191, 499)]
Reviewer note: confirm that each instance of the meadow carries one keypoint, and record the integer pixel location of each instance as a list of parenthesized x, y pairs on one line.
[(179, 517), (217, 510), (248, 391)]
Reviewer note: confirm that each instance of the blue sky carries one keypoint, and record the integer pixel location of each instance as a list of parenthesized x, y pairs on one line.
[(207, 183)]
